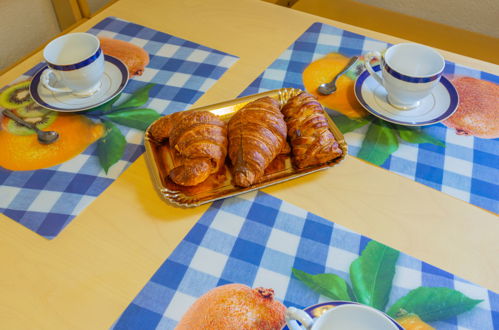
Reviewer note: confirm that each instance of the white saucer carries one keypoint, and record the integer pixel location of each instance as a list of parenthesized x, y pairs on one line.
[(438, 106), (112, 83)]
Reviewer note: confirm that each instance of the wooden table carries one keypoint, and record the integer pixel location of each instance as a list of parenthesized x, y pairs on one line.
[(86, 277)]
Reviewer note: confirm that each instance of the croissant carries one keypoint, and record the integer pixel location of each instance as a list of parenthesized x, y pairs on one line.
[(161, 129), (257, 134), (312, 142), (199, 139)]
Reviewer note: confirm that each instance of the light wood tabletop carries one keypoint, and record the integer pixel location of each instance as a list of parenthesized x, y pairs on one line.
[(86, 277)]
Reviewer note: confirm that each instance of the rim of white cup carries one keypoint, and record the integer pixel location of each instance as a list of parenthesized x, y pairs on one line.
[(338, 303), (96, 52), (431, 76), (365, 308)]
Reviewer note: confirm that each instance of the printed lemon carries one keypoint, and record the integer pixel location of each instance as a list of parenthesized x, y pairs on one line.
[(323, 71), (21, 150), (413, 322)]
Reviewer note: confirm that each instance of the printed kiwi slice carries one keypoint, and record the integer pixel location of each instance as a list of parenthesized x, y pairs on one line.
[(16, 96), (40, 122), (32, 110)]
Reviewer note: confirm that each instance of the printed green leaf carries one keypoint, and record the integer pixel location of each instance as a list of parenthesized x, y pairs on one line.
[(137, 99), (136, 118), (413, 135), (372, 274), (379, 143), (329, 285), (346, 124), (106, 106), (111, 147), (433, 304)]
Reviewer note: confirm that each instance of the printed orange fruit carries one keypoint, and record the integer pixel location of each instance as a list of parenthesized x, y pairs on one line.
[(413, 322), (343, 100), (23, 152), (235, 306)]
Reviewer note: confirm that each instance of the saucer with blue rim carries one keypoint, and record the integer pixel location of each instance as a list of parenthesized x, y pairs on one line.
[(436, 107), (113, 81), (317, 310)]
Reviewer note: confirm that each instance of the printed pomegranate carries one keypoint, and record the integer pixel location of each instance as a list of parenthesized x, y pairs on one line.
[(235, 306), (134, 57), (478, 110)]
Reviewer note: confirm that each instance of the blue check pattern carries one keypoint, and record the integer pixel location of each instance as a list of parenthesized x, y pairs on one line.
[(466, 168), (47, 200), (256, 239)]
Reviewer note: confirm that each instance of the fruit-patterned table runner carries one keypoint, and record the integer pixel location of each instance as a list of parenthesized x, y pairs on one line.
[(44, 188), (258, 240), (459, 157)]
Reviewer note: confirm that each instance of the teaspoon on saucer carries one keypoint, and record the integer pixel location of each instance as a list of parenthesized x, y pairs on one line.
[(44, 137)]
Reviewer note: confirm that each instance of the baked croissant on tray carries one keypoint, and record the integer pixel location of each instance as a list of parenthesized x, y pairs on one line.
[(257, 134), (199, 142), (311, 140)]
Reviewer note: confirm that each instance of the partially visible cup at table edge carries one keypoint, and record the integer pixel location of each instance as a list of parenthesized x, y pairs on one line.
[(75, 64), (343, 317), (409, 72)]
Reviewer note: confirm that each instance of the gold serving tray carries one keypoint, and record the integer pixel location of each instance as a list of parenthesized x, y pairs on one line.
[(159, 159)]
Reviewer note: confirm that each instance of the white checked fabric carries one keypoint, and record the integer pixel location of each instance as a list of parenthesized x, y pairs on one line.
[(256, 239), (466, 168), (47, 200)]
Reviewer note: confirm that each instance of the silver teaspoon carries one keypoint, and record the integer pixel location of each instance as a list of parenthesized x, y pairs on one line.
[(44, 137), (330, 87)]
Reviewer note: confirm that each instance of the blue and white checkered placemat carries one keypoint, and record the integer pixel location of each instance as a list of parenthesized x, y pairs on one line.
[(255, 239), (466, 168), (46, 200)]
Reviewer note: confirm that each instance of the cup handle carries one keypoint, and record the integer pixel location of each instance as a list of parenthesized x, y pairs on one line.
[(294, 314), (45, 79), (367, 63)]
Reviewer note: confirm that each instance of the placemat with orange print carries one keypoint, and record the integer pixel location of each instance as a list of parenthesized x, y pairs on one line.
[(459, 157), (44, 187)]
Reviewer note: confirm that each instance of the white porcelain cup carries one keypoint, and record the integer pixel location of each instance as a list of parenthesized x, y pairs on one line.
[(409, 73), (343, 317), (75, 64)]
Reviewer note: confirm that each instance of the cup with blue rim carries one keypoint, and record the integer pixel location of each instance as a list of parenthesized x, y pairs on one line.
[(409, 72), (75, 64), (339, 315)]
